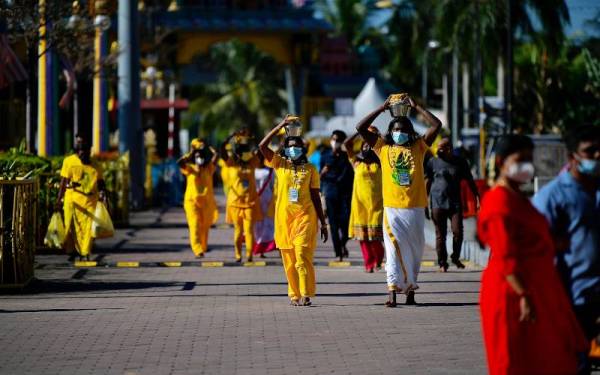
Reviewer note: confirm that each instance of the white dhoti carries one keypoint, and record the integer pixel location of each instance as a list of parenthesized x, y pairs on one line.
[(404, 238)]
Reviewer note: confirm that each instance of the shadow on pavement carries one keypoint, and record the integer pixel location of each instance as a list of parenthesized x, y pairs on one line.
[(56, 310), (69, 286)]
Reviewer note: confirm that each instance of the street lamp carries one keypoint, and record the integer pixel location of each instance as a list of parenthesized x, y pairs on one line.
[(432, 44)]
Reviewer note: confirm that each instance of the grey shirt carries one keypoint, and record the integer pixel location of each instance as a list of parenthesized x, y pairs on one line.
[(445, 177)]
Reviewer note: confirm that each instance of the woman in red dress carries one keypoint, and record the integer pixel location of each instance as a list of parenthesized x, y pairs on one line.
[(528, 324)]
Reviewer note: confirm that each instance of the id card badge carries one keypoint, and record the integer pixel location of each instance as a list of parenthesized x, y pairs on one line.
[(293, 195), (404, 177)]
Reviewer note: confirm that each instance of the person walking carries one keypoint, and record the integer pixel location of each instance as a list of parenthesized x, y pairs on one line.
[(337, 178), (264, 230), (81, 187), (297, 207), (528, 324), (243, 206), (199, 203), (402, 153), (444, 175), (571, 204), (366, 214)]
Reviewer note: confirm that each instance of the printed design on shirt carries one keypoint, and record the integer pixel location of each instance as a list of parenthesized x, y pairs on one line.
[(402, 164)]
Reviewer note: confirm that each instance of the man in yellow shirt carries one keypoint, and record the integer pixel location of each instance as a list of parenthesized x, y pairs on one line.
[(402, 153), (199, 201), (243, 208), (297, 206), (80, 189)]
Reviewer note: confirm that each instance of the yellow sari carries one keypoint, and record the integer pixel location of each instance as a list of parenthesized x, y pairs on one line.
[(81, 206)]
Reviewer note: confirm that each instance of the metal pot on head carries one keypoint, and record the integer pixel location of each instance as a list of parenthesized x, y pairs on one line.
[(399, 105), (294, 127)]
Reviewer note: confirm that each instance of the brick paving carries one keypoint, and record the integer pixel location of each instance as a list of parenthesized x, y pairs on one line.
[(230, 320)]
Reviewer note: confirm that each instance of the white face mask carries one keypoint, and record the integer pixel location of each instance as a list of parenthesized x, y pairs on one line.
[(199, 160), (521, 172), (335, 145)]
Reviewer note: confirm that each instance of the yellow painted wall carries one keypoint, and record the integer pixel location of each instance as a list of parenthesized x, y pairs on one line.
[(192, 44)]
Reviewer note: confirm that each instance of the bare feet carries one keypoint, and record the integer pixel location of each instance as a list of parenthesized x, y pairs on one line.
[(444, 267), (295, 302)]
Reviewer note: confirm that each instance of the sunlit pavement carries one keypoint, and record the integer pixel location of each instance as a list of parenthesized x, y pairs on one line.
[(135, 314)]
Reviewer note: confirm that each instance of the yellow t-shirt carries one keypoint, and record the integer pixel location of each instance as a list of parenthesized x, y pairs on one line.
[(199, 180), (403, 178), (242, 183), (295, 214)]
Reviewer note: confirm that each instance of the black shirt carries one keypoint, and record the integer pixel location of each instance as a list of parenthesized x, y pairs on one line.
[(445, 177), (340, 177)]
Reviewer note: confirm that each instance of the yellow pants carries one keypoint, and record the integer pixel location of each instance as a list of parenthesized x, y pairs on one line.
[(300, 272), (243, 227), (199, 221)]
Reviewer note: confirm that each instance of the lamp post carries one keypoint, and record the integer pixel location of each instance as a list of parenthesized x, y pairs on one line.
[(432, 44), (100, 116)]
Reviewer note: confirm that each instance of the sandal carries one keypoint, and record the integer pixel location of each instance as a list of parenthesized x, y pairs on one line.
[(294, 302), (391, 302), (306, 301), (410, 298), (444, 267), (458, 263)]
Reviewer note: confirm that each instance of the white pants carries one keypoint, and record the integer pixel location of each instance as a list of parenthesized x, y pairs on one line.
[(404, 239)]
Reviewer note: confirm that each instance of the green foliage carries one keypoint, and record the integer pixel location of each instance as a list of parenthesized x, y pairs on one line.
[(553, 94), (349, 17), (16, 163), (248, 91)]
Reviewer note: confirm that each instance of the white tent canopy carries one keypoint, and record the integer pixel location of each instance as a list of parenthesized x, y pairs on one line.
[(367, 101)]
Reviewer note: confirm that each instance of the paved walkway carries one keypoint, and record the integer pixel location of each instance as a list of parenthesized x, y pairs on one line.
[(230, 320)]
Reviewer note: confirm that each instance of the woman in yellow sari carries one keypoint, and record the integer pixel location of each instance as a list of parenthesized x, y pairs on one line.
[(297, 207), (366, 214), (199, 201), (81, 188)]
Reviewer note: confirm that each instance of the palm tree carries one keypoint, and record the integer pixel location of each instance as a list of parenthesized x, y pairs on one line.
[(348, 17), (248, 91), (408, 31)]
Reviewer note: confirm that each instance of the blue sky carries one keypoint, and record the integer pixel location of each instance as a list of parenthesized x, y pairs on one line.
[(581, 11)]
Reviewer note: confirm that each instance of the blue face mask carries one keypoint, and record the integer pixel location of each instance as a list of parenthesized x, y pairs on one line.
[(589, 167), (293, 152), (399, 137)]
